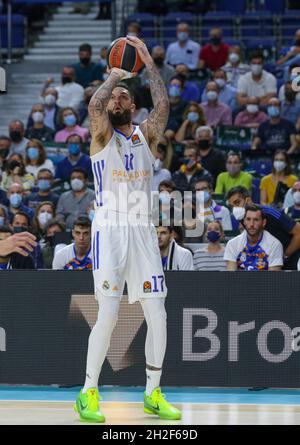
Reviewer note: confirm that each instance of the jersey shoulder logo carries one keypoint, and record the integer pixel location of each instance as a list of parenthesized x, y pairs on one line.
[(135, 139)]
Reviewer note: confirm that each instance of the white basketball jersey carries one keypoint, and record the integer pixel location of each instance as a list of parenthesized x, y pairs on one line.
[(124, 168)]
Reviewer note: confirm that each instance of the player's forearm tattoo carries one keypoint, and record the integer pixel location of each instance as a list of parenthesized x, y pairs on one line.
[(158, 117)]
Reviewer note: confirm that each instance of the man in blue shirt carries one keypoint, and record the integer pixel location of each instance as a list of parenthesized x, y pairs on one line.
[(86, 70), (44, 193), (290, 107), (75, 159), (227, 93), (15, 196)]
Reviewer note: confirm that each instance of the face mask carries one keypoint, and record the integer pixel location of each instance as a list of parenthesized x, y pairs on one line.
[(15, 200), (233, 169), (33, 153), (85, 60), (189, 163), (70, 120), (91, 214), (157, 165), (182, 36), (49, 99), (1, 220), (206, 196), (204, 144), (159, 61), (74, 149), (193, 116), (215, 40), (77, 185), (251, 108), (20, 229), (44, 217), (296, 197), (238, 213), (220, 82), (4, 153), (290, 96), (133, 34), (256, 69), (37, 117), (164, 198), (66, 79), (279, 165), (213, 236), (234, 57), (44, 185), (15, 136), (174, 91), (273, 111), (212, 95)]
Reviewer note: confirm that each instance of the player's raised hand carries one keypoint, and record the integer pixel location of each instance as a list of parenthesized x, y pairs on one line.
[(141, 49), (121, 73)]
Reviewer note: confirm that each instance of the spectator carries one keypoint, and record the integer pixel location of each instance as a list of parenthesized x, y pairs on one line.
[(3, 215), (173, 256), (75, 159), (36, 158), (44, 212), (44, 193), (234, 67), (76, 256), (21, 223), (193, 117), (234, 175), (167, 186), (103, 61), (258, 82), (16, 205), (191, 90), (73, 203), (190, 171), (90, 211), (294, 210), (16, 134), (104, 10), (140, 114), (69, 119), (293, 55), (15, 172), (292, 75), (278, 224), (252, 117), (50, 97), (212, 159), (281, 173), (47, 243), (209, 209), (177, 107), (5, 143), (13, 260), (38, 130), (70, 93), (276, 133), (184, 50), (255, 248), (215, 54), (290, 106), (227, 93), (166, 71), (215, 112), (210, 257), (86, 71), (160, 173), (134, 29)]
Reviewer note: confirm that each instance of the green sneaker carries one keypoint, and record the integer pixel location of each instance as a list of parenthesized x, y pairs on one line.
[(157, 404), (87, 406)]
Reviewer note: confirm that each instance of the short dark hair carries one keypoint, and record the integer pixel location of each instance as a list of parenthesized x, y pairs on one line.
[(82, 221), (256, 54), (43, 170), (122, 84), (79, 170), (85, 47), (233, 153), (168, 183), (179, 77), (4, 137), (239, 189), (6, 229), (56, 222), (22, 214), (254, 208), (74, 134)]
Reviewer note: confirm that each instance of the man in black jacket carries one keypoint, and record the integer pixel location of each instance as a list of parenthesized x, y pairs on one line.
[(13, 260)]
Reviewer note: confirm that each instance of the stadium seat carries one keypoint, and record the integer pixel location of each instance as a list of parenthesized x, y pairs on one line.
[(18, 31), (275, 6), (256, 25), (268, 46), (261, 167), (235, 7)]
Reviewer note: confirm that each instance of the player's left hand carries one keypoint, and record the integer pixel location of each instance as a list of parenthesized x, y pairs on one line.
[(141, 49)]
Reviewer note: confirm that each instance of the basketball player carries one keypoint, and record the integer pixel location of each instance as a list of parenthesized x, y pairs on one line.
[(122, 161)]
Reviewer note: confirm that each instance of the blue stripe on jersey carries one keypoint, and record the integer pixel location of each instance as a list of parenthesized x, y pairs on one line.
[(97, 183), (100, 181), (94, 263), (270, 211), (98, 249)]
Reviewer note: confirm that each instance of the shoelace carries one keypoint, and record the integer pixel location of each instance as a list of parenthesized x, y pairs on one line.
[(93, 400), (158, 397)]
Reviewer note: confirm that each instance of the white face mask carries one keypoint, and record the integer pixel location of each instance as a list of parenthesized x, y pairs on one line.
[(279, 165), (44, 217), (256, 69), (77, 185), (251, 108), (164, 198), (234, 58), (37, 116), (238, 213), (220, 82), (212, 95), (157, 165), (49, 99), (296, 197)]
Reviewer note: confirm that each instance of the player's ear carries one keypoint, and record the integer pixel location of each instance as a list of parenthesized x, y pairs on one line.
[(133, 107)]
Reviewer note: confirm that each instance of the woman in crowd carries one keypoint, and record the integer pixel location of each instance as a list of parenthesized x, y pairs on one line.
[(44, 212), (15, 172), (193, 117), (210, 256), (36, 159), (69, 119)]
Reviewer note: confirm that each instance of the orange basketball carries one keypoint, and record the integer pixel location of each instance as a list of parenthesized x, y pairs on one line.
[(122, 55)]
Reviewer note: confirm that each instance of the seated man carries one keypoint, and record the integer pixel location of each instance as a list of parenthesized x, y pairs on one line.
[(173, 256), (251, 117), (215, 112), (13, 260), (234, 175), (184, 50), (255, 248), (227, 93), (294, 210), (44, 193), (78, 255)]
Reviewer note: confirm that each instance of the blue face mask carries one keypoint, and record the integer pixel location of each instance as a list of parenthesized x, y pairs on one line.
[(174, 91), (273, 111), (15, 200), (91, 214), (74, 149), (1, 220), (213, 236), (182, 36), (70, 120), (33, 153), (203, 196), (193, 116), (19, 229), (44, 185)]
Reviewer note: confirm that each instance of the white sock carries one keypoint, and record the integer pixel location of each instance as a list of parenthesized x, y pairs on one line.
[(153, 380)]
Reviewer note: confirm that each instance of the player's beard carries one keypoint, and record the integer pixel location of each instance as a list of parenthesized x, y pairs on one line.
[(118, 119)]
